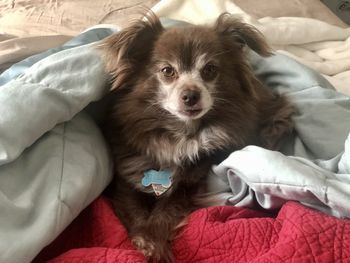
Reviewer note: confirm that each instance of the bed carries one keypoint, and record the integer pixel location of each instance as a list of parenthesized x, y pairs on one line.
[(291, 206)]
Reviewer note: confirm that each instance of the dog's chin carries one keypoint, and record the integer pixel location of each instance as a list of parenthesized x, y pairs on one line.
[(189, 114)]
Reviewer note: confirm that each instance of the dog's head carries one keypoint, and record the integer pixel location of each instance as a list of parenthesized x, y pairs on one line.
[(192, 68)]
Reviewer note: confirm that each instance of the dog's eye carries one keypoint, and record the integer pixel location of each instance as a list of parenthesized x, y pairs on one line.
[(209, 72), (168, 71)]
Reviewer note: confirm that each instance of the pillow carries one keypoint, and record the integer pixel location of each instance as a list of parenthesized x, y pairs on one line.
[(299, 8), (68, 17)]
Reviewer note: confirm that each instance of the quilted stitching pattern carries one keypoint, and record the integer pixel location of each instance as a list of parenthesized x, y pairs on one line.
[(217, 234)]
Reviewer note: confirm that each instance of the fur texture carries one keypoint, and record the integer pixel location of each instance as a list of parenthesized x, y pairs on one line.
[(184, 98)]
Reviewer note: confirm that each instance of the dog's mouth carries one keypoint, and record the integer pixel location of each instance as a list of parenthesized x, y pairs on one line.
[(191, 112)]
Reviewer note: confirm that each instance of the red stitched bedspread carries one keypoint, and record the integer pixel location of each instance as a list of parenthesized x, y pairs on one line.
[(216, 234)]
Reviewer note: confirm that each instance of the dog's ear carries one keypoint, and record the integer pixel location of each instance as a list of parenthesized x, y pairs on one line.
[(126, 51), (242, 34)]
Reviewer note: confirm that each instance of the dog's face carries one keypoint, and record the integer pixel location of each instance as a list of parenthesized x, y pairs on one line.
[(187, 64), (191, 66)]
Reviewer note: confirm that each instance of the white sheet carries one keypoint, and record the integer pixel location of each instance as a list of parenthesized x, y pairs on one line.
[(15, 49)]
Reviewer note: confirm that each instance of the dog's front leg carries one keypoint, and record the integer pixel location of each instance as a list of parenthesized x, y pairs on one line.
[(155, 237), (169, 215), (132, 207)]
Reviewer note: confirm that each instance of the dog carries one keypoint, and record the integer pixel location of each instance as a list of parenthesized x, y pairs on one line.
[(185, 97)]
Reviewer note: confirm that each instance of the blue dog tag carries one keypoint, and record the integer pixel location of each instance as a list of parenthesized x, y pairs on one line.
[(160, 180), (162, 177)]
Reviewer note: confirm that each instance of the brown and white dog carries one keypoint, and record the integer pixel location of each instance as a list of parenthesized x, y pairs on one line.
[(185, 98)]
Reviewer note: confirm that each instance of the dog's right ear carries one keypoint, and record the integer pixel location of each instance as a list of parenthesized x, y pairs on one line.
[(241, 34), (126, 51)]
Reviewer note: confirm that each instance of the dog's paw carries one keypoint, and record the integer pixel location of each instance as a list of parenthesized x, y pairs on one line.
[(145, 246), (155, 253)]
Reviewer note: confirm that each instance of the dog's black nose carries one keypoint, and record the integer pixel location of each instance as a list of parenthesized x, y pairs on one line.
[(190, 97)]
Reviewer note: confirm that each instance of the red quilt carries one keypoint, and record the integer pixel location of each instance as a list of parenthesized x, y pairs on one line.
[(217, 234)]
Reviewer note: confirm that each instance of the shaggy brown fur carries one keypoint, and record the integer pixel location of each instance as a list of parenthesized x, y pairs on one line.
[(146, 63)]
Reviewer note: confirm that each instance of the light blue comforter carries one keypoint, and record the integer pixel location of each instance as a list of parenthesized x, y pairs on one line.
[(53, 158), (314, 166)]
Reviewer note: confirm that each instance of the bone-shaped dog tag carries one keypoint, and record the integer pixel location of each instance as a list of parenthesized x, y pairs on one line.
[(160, 180)]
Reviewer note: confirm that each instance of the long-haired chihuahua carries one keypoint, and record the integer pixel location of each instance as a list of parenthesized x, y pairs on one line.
[(185, 98)]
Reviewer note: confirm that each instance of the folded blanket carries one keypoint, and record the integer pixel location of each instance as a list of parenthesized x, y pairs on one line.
[(217, 234), (53, 158), (318, 174)]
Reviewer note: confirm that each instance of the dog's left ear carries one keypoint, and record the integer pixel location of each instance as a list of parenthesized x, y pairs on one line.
[(241, 34), (125, 52)]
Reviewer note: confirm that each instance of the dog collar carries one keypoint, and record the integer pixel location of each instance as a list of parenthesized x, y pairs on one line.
[(159, 180)]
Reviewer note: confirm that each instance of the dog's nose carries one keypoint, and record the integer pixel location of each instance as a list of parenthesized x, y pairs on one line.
[(190, 97)]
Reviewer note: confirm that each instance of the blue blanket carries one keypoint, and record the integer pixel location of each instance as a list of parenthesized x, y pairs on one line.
[(313, 166), (53, 158)]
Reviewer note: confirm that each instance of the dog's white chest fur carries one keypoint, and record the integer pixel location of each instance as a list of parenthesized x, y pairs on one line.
[(177, 150)]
